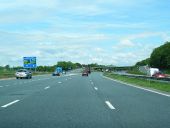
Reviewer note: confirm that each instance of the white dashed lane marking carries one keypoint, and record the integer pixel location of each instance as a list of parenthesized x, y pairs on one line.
[(13, 102), (96, 88), (109, 105), (47, 87)]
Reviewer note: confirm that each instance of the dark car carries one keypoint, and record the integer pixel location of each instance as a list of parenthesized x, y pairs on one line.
[(89, 71), (56, 74), (85, 73)]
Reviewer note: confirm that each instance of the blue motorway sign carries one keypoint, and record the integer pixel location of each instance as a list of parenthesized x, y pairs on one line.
[(29, 62)]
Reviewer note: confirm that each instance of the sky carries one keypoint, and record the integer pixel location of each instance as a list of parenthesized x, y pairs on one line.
[(109, 32)]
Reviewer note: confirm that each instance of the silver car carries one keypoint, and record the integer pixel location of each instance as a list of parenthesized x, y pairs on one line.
[(23, 73)]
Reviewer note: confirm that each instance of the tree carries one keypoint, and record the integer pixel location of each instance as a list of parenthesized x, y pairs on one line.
[(93, 65), (66, 65), (78, 65), (7, 66), (143, 62), (160, 57)]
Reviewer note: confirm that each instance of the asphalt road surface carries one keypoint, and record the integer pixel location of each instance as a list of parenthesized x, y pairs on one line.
[(73, 101)]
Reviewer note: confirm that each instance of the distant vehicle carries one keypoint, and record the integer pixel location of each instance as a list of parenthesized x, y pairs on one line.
[(107, 70), (88, 70), (56, 74), (85, 73), (64, 72), (69, 68), (58, 71), (23, 73), (153, 71), (159, 75)]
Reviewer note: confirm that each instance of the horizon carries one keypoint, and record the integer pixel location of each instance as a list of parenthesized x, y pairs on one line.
[(109, 32)]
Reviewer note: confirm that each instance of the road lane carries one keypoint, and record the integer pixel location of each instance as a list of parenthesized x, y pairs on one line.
[(24, 88), (75, 103), (136, 107)]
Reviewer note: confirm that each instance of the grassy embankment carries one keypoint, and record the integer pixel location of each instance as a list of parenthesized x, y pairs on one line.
[(6, 74), (11, 73), (135, 71), (141, 82)]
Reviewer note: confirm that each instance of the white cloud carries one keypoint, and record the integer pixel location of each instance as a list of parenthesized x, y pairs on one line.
[(130, 40), (166, 37), (50, 48), (76, 30), (127, 43), (99, 49), (145, 35)]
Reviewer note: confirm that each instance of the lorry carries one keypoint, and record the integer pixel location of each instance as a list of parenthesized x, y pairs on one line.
[(88, 69), (57, 71), (152, 71)]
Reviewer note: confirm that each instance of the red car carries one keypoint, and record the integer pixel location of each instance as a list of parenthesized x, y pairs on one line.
[(159, 75)]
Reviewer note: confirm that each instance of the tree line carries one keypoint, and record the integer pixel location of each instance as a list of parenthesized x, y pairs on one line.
[(159, 58), (66, 65)]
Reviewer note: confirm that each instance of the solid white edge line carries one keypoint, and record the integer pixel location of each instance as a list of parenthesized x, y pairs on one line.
[(59, 82), (13, 102), (149, 90), (109, 105)]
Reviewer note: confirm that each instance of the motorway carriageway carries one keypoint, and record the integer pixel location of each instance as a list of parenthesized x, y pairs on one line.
[(73, 101)]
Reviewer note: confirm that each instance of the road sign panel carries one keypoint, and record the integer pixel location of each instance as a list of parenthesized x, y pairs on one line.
[(29, 62)]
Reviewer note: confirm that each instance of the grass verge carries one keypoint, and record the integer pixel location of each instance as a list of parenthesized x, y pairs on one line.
[(10, 74), (6, 74), (141, 82), (135, 71)]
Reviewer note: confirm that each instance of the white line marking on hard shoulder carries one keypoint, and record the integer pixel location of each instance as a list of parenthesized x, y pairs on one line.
[(149, 90), (13, 102), (109, 105), (47, 87), (96, 88), (6, 85), (59, 82), (1, 86)]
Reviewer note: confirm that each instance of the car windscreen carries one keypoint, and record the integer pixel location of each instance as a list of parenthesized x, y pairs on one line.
[(21, 71)]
